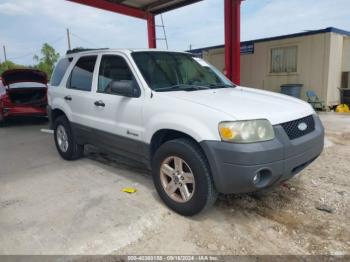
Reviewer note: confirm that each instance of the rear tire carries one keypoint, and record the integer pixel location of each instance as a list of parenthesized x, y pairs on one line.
[(199, 194), (2, 120), (65, 141)]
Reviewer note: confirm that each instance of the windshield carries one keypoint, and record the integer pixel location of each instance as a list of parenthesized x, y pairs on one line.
[(170, 71)]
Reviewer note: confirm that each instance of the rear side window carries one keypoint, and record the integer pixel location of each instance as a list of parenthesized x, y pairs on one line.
[(59, 71), (112, 68), (82, 73)]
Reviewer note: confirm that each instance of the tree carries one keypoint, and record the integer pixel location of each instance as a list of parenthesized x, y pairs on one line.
[(48, 59), (6, 65)]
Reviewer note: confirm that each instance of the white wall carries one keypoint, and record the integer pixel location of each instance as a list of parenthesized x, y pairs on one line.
[(319, 66), (334, 69)]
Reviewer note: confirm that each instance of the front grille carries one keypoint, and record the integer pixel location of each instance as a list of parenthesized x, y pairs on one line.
[(292, 129)]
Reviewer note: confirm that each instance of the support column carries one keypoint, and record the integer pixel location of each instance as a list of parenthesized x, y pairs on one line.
[(151, 27), (233, 40)]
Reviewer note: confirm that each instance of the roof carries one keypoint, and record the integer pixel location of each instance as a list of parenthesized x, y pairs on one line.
[(307, 33), (155, 6), (137, 8)]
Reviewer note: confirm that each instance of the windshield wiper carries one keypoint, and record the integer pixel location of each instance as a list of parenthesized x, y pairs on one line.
[(181, 87), (212, 86)]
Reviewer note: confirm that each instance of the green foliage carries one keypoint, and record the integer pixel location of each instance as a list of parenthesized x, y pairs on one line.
[(8, 65), (48, 60)]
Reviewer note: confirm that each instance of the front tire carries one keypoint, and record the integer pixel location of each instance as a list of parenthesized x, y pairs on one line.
[(182, 177), (65, 142)]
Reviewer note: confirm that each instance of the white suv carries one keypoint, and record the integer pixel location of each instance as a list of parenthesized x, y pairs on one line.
[(200, 134)]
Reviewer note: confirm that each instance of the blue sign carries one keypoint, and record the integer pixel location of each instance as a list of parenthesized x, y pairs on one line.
[(247, 48)]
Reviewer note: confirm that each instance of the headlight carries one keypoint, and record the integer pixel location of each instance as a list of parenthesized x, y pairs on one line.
[(248, 131)]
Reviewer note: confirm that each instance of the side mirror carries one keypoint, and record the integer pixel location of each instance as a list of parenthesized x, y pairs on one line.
[(126, 88)]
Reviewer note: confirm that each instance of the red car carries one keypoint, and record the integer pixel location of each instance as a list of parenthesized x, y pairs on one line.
[(23, 92)]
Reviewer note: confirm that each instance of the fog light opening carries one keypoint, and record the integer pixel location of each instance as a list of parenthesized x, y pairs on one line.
[(262, 178)]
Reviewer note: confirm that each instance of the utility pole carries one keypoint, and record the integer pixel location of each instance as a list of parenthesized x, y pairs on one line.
[(68, 39), (4, 52)]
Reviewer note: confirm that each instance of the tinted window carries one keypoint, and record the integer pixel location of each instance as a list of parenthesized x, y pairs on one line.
[(82, 73), (112, 68), (59, 71)]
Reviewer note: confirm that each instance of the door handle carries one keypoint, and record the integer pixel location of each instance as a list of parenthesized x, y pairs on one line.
[(99, 103), (68, 98)]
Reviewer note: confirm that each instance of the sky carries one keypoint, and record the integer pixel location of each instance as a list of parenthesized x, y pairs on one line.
[(26, 24)]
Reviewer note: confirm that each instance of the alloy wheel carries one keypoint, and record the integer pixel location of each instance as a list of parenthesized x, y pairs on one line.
[(62, 138), (177, 179)]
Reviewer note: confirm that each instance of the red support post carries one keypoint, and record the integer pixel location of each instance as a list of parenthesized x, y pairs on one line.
[(228, 38), (233, 39), (151, 28)]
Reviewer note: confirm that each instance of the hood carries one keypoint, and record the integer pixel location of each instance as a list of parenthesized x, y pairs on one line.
[(23, 75), (248, 103)]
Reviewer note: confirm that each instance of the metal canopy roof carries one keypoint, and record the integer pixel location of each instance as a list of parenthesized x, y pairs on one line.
[(154, 6), (137, 8)]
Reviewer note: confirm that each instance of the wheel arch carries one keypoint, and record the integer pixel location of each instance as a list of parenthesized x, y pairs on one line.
[(55, 113), (164, 135)]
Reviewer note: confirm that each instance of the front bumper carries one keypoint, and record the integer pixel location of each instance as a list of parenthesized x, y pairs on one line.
[(234, 166)]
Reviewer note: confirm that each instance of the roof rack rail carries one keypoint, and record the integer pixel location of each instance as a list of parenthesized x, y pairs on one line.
[(79, 49)]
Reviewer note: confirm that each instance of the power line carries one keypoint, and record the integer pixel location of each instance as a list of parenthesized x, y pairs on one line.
[(52, 43), (82, 39), (36, 51)]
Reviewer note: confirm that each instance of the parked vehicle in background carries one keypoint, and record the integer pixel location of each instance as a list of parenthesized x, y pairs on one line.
[(23, 92), (198, 132)]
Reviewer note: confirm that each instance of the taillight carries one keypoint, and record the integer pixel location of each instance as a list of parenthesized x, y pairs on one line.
[(5, 100), (46, 96)]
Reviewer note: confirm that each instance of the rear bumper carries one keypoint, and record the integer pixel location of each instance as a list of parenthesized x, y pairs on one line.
[(235, 165), (14, 111)]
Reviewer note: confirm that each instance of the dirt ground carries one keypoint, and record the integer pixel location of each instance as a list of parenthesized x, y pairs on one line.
[(51, 206), (309, 214)]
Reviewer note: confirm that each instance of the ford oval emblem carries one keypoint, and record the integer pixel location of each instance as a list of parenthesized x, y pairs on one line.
[(302, 126)]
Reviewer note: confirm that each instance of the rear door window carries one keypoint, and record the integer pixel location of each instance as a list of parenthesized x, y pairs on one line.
[(82, 74), (59, 71)]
